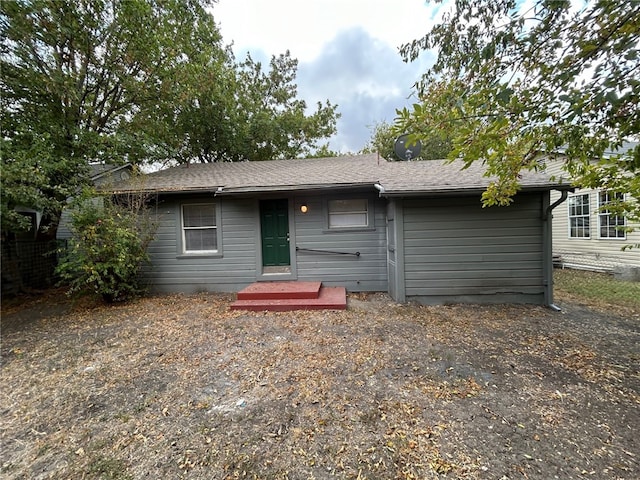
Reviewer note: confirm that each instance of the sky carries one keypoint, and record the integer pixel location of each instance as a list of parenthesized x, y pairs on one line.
[(347, 52)]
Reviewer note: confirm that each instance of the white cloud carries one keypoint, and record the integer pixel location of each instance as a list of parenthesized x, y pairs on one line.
[(304, 26), (347, 52)]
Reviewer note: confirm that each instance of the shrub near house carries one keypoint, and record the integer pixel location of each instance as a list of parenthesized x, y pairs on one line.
[(108, 249)]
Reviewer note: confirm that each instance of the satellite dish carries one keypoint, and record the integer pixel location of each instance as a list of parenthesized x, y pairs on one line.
[(404, 151)]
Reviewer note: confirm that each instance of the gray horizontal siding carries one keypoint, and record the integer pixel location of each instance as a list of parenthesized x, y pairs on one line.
[(64, 226), (238, 264), (367, 272), (172, 271), (455, 249)]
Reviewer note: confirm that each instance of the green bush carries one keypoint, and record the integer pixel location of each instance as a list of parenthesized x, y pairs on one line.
[(108, 247)]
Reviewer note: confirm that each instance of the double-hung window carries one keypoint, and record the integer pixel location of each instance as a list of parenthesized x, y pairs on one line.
[(610, 224), (351, 213), (199, 228), (579, 216)]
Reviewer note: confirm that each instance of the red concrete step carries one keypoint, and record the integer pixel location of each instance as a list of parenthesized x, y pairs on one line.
[(329, 298), (280, 290)]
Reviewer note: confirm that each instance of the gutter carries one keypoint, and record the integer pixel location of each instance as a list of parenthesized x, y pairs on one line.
[(454, 191), (253, 190)]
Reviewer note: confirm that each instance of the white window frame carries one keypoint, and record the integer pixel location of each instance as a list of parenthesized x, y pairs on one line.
[(604, 218), (343, 213), (184, 228), (585, 217)]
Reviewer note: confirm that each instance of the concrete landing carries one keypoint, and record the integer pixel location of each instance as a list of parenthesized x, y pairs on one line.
[(288, 296), (280, 290)]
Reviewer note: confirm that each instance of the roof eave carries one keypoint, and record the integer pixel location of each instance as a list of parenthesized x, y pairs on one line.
[(294, 188), (166, 191), (469, 190), (230, 191), (111, 171)]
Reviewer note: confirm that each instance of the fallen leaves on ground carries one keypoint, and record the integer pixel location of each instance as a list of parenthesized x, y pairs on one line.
[(180, 386)]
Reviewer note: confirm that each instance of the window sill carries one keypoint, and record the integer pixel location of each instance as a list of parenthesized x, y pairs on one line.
[(199, 255), (349, 229)]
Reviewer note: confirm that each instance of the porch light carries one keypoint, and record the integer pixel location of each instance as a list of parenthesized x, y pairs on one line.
[(304, 208)]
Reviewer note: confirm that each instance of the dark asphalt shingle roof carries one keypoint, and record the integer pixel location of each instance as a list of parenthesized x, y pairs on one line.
[(397, 178), (97, 170)]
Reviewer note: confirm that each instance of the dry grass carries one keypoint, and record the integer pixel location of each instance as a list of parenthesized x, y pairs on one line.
[(182, 387)]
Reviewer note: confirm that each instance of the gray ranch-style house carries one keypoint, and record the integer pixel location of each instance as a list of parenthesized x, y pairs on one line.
[(414, 229)]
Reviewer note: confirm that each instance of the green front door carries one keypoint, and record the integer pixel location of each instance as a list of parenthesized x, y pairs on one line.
[(274, 225)]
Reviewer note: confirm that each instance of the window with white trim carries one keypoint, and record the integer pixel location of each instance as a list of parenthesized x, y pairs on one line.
[(199, 228), (579, 216), (610, 225), (348, 213)]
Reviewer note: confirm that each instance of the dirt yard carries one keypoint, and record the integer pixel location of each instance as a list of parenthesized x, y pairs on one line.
[(181, 387)]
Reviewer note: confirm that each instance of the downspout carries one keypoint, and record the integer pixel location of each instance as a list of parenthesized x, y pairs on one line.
[(563, 196), (395, 268), (547, 250)]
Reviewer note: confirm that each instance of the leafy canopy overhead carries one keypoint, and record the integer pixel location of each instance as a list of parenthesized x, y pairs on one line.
[(247, 113), (512, 81), (133, 81), (77, 79)]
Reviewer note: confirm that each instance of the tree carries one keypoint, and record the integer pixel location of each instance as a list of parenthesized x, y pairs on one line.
[(510, 83), (79, 75), (21, 180), (323, 152), (382, 140), (133, 81), (275, 119), (384, 135), (248, 113)]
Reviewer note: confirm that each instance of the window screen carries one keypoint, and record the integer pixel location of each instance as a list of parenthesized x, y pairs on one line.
[(199, 228), (348, 213)]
